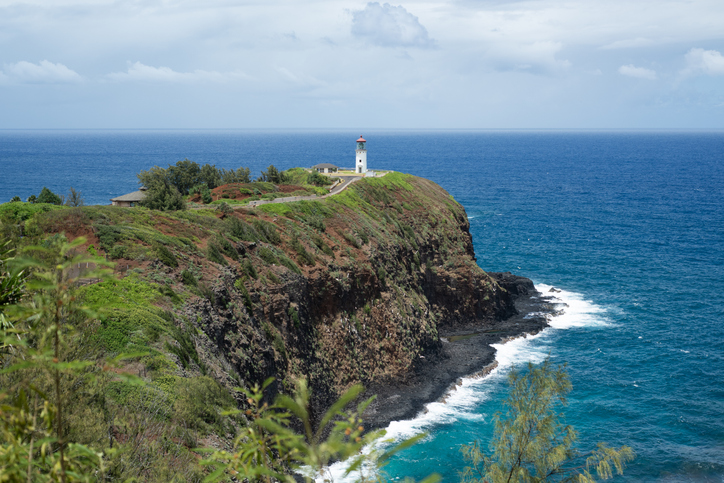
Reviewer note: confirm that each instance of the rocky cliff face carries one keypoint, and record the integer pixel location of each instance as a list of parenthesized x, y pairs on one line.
[(393, 264)]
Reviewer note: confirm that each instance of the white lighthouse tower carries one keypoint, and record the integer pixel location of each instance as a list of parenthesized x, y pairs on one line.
[(361, 163)]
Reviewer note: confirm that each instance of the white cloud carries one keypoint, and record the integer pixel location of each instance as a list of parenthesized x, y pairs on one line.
[(44, 72), (637, 72), (389, 26), (536, 57), (700, 61), (628, 43), (147, 73)]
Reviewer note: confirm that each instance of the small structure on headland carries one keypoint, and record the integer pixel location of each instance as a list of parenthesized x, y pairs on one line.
[(325, 168), (361, 156), (131, 199)]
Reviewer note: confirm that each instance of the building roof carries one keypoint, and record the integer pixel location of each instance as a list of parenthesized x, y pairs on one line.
[(324, 165), (361, 139), (134, 197)]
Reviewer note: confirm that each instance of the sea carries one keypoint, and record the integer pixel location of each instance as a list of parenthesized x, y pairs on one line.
[(628, 225)]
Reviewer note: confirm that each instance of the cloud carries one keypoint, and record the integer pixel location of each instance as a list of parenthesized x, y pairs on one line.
[(534, 58), (144, 73), (700, 61), (628, 44), (44, 72), (637, 72), (390, 26)]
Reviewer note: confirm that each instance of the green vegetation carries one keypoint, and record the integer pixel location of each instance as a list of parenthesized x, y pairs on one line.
[(268, 447), (18, 212), (47, 196), (273, 175), (166, 187), (531, 444)]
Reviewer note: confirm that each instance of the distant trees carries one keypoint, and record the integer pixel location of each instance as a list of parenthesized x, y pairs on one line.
[(74, 198), (318, 179), (161, 193), (47, 196), (167, 187), (241, 175), (187, 174), (273, 175)]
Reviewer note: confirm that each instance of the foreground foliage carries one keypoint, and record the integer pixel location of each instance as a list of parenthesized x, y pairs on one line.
[(33, 409), (531, 444), (269, 447)]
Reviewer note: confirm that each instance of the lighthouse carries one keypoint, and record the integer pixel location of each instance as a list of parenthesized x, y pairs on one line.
[(361, 156)]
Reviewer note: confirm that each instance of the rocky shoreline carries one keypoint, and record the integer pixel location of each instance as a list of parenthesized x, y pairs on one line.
[(465, 352)]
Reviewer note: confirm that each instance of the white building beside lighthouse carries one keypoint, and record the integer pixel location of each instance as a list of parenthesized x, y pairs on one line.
[(361, 156)]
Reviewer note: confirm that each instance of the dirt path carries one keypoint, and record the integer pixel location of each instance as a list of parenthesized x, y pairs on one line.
[(337, 189)]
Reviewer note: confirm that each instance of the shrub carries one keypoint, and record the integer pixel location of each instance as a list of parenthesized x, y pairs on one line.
[(317, 240), (206, 196), (188, 278), (166, 256), (239, 285), (294, 315), (238, 228), (118, 251), (268, 231), (200, 402), (213, 253), (305, 258), (168, 292), (225, 208), (207, 293), (351, 240), (318, 179), (268, 255), (289, 264), (249, 269)]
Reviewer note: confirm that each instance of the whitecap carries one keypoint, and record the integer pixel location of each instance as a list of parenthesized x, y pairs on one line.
[(576, 311)]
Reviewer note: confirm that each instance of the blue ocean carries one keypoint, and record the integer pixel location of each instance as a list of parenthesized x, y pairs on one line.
[(628, 225)]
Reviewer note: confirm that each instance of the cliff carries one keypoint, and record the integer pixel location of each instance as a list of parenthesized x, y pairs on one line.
[(357, 287)]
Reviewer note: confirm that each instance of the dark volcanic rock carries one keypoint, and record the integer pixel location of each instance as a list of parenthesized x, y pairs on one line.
[(515, 284), (464, 353)]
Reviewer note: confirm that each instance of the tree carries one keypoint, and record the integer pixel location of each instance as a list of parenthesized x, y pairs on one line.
[(318, 179), (271, 175), (74, 198), (210, 175), (32, 199), (47, 196), (184, 175), (241, 175), (15, 199), (531, 444), (161, 194)]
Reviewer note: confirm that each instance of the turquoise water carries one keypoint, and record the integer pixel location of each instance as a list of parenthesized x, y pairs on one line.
[(630, 225)]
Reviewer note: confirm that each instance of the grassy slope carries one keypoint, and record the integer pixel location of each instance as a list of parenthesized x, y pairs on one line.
[(329, 290)]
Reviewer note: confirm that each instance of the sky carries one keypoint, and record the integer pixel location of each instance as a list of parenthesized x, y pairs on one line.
[(321, 64)]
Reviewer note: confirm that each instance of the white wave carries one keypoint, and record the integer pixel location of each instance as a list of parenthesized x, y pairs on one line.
[(462, 400), (576, 311)]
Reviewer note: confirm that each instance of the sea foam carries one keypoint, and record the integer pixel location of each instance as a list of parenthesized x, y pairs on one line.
[(462, 400)]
